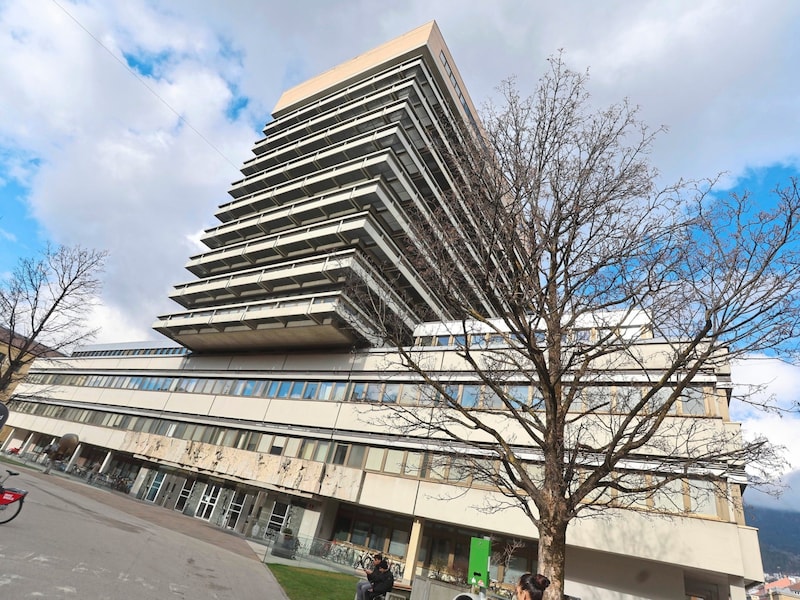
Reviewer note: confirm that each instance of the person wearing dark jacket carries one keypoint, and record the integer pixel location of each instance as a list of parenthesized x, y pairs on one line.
[(363, 586), (382, 581)]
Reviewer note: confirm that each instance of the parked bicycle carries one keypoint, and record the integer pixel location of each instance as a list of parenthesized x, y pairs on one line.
[(11, 499)]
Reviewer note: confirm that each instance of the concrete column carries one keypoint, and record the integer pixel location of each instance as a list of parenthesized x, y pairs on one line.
[(736, 588), (414, 542), (75, 456), (28, 442), (106, 461), (8, 439)]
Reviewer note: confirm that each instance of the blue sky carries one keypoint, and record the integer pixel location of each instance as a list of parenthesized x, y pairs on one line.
[(122, 125)]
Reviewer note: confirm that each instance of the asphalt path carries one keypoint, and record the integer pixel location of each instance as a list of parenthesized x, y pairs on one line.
[(72, 540)]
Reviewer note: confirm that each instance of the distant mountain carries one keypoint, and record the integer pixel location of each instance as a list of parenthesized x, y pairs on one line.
[(779, 537)]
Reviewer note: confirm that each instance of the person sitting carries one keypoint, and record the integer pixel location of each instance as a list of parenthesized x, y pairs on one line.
[(363, 586), (382, 581), (532, 587)]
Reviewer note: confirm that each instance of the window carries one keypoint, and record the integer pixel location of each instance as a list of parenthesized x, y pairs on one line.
[(398, 544), (470, 395), (519, 394), (359, 392), (373, 392), (292, 447), (390, 392), (669, 497), (278, 442), (394, 461), (627, 398), (413, 464), (702, 497), (339, 454), (659, 399), (283, 389), (321, 453), (356, 456), (307, 449), (409, 394), (693, 402), (311, 390), (374, 459), (597, 398)]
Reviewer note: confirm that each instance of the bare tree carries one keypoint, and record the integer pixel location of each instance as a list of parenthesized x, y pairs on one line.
[(44, 306), (565, 243)]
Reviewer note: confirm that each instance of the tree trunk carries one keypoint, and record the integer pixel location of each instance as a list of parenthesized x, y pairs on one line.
[(552, 553)]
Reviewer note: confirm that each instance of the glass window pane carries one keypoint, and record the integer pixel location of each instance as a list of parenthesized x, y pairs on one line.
[(693, 402), (359, 534), (626, 398), (374, 459), (703, 497), (278, 442), (597, 398), (292, 447), (669, 498), (321, 453), (519, 394), (311, 390), (339, 454), (264, 443), (413, 464), (469, 396), (339, 391), (373, 392), (398, 545), (390, 392), (358, 392), (409, 394), (325, 390), (394, 461), (356, 457)]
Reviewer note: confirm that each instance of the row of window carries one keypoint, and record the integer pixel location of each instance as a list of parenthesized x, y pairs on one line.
[(615, 399), (675, 497), (132, 352)]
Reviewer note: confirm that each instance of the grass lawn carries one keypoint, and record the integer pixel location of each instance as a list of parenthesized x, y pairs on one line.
[(310, 584)]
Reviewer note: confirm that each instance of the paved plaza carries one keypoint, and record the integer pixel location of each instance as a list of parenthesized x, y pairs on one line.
[(73, 540)]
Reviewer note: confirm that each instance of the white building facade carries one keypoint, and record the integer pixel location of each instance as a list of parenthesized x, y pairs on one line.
[(271, 409)]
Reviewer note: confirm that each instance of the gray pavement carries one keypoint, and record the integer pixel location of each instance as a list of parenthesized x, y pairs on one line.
[(72, 541)]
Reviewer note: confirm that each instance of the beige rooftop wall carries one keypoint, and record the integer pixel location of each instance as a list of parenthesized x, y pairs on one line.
[(427, 37)]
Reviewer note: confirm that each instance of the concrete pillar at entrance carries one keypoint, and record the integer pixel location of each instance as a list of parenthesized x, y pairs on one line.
[(28, 441), (414, 542), (736, 588), (106, 462), (8, 439), (75, 456)]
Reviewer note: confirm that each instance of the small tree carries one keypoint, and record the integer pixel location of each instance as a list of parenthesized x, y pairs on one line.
[(44, 306), (564, 241)]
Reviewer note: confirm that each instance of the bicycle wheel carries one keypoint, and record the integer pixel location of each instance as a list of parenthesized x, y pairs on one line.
[(9, 511)]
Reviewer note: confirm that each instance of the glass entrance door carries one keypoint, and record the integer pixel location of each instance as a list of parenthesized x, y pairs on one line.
[(184, 494), (278, 517), (234, 510), (208, 501), (155, 486)]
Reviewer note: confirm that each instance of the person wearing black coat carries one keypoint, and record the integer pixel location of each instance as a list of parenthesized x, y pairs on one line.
[(382, 581)]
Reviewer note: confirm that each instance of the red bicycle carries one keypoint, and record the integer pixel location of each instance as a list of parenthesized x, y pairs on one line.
[(11, 499)]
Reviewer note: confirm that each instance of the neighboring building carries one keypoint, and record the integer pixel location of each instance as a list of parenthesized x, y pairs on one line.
[(11, 345), (267, 411), (784, 588)]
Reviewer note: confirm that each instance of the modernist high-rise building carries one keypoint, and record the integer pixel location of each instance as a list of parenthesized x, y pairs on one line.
[(259, 414)]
